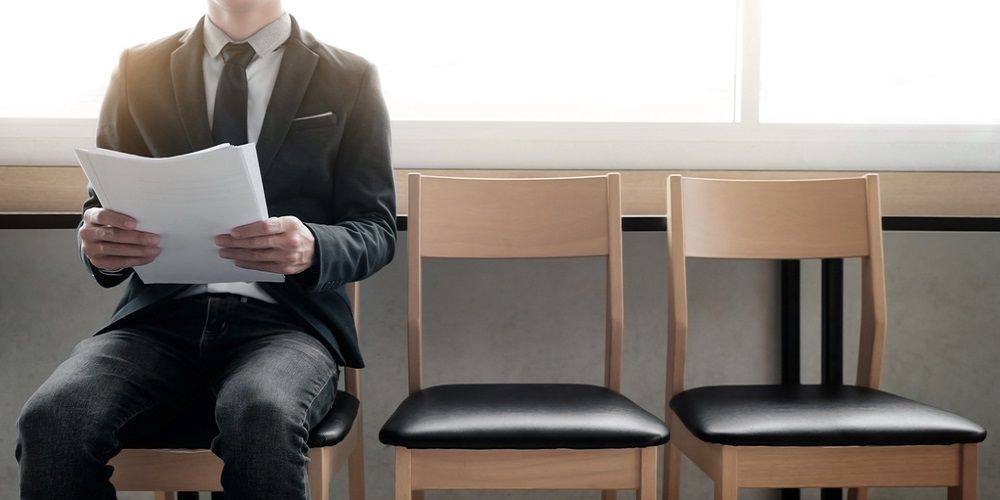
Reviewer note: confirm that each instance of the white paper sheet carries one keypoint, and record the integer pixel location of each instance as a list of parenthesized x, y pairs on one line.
[(187, 200)]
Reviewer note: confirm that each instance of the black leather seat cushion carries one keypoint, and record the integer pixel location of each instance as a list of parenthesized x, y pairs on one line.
[(193, 426), (816, 415), (521, 416)]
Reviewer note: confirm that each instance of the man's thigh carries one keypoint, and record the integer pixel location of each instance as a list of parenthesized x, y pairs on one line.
[(110, 378), (273, 383), (263, 362)]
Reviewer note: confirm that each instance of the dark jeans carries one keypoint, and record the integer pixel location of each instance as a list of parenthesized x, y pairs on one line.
[(271, 383)]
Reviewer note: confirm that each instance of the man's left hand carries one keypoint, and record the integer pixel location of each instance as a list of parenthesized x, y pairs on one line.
[(282, 245)]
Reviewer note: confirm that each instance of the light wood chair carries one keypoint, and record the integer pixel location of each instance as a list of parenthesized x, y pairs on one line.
[(794, 436), (170, 470), (519, 436)]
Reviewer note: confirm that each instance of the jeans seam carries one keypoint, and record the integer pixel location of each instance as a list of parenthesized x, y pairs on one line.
[(312, 401), (321, 389), (204, 327)]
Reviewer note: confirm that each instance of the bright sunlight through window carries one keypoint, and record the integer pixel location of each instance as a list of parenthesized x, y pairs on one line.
[(885, 61), (516, 60)]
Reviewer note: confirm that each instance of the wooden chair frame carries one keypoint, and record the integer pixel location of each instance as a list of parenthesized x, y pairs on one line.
[(168, 471), (476, 229), (696, 233)]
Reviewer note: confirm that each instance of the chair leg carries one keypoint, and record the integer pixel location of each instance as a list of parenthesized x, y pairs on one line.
[(356, 470), (958, 493), (968, 475), (671, 472), (647, 474), (319, 475), (404, 489), (726, 486), (164, 495), (857, 494), (609, 495), (725, 490)]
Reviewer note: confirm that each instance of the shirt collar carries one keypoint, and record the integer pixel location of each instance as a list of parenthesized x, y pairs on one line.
[(264, 41)]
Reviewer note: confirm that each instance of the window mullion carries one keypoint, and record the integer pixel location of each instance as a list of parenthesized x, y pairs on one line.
[(747, 108)]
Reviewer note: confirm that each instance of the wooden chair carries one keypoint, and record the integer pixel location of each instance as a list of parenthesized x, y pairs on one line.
[(519, 436), (801, 436), (165, 467)]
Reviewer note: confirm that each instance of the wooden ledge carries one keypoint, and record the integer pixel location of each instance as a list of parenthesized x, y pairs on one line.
[(62, 189)]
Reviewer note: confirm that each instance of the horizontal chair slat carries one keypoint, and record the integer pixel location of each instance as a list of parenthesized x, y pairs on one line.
[(526, 469), (867, 466)]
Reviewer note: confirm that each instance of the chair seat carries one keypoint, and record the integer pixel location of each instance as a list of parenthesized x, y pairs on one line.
[(816, 415), (521, 416), (194, 427)]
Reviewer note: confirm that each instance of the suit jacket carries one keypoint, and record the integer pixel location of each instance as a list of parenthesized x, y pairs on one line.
[(333, 172)]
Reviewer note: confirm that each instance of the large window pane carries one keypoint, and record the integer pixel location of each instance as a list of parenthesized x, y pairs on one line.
[(58, 55), (573, 60), (533, 60), (880, 61)]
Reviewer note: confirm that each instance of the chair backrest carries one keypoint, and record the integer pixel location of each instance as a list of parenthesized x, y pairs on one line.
[(782, 219), (451, 217)]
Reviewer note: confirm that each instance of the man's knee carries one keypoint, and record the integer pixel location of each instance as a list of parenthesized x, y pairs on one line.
[(36, 419), (259, 413), (45, 432), (61, 450), (57, 415)]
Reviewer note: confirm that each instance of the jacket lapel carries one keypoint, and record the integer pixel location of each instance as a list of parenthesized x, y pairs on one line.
[(189, 88), (294, 75)]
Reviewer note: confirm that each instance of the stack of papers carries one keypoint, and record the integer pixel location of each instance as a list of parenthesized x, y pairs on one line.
[(187, 200)]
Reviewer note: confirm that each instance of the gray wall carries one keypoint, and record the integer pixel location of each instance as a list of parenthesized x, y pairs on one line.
[(944, 308)]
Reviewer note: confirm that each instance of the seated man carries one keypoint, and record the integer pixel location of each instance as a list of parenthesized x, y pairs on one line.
[(270, 353)]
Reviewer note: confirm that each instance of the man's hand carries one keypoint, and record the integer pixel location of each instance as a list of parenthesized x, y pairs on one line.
[(110, 241), (282, 245)]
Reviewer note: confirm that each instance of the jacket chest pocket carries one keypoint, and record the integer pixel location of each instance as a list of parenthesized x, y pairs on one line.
[(311, 146), (328, 119)]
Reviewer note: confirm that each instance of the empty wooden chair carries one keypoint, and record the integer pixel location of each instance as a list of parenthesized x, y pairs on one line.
[(798, 436), (519, 436)]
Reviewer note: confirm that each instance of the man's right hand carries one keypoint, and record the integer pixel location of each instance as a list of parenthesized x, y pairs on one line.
[(110, 240)]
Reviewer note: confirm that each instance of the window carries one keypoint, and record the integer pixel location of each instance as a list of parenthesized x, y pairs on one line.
[(885, 61), (516, 60), (722, 84), (544, 60), (59, 54)]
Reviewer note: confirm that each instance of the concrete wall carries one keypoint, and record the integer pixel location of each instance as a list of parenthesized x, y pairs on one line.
[(543, 321)]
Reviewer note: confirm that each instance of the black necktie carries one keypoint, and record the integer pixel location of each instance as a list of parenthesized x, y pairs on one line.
[(230, 118)]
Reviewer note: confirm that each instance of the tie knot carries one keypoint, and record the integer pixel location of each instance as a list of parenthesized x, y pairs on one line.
[(238, 53)]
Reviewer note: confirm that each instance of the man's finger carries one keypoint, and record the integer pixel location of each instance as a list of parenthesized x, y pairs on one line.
[(121, 262), (105, 217), (273, 225), (259, 255), (271, 267), (106, 249), (227, 241), (115, 235)]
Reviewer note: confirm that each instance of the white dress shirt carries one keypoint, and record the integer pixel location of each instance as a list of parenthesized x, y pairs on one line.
[(269, 44)]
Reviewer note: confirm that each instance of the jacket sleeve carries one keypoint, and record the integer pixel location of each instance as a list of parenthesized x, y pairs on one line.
[(116, 130), (364, 239)]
